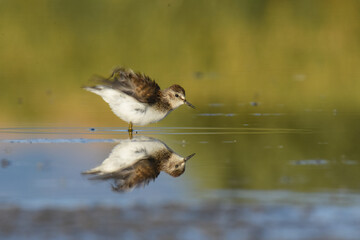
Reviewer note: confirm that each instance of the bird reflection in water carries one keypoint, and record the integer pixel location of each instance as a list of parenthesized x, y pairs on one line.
[(135, 162)]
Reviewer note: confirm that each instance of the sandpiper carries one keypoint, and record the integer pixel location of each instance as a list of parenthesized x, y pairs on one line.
[(136, 98), (134, 162)]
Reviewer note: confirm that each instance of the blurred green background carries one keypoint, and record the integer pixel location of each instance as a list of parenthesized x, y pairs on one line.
[(294, 54)]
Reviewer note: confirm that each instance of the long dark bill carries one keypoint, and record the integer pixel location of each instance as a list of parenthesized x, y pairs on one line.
[(189, 104), (188, 157)]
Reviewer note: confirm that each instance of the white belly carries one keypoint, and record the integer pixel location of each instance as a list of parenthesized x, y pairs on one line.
[(128, 108)]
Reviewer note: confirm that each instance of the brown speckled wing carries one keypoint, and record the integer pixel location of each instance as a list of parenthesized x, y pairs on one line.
[(137, 85), (139, 174)]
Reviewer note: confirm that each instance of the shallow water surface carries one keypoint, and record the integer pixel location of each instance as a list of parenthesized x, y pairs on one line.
[(271, 161), (258, 162)]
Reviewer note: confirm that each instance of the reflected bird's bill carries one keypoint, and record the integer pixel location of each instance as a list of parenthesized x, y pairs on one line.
[(190, 156)]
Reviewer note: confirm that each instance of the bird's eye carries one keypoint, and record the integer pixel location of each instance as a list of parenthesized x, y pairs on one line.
[(176, 95), (177, 165)]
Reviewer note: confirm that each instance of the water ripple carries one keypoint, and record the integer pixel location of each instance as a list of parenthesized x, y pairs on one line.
[(149, 130)]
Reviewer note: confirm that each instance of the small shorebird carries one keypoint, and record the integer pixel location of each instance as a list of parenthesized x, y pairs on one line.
[(136, 98), (134, 162)]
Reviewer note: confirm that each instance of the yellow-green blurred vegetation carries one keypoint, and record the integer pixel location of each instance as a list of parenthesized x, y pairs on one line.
[(301, 54)]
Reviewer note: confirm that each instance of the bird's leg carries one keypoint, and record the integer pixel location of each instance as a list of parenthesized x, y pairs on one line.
[(130, 130)]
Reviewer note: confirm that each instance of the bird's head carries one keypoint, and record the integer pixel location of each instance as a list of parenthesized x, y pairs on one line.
[(175, 166), (175, 94)]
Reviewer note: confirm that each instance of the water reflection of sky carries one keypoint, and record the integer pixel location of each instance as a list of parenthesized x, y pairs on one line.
[(46, 170)]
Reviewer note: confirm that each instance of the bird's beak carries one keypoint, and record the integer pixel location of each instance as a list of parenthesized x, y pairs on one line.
[(189, 104), (188, 157)]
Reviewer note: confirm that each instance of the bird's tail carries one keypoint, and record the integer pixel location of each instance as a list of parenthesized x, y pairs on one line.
[(98, 84), (95, 170), (90, 89), (94, 89)]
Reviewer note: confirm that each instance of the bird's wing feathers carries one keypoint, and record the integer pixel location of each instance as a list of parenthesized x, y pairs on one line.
[(139, 174), (136, 85)]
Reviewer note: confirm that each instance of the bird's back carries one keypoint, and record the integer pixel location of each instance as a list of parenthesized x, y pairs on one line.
[(134, 84)]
